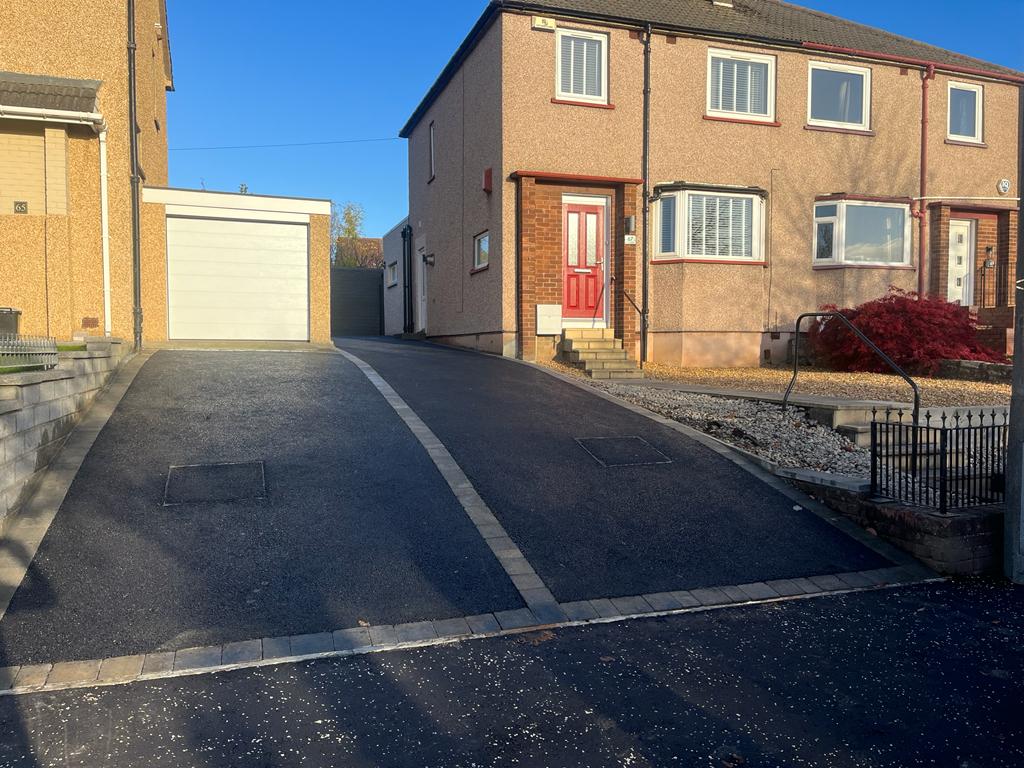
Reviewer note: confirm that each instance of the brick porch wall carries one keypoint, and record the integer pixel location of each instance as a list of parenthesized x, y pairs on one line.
[(540, 256), (993, 287)]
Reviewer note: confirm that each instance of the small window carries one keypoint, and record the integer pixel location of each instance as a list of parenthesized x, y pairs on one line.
[(481, 250), (581, 72), (839, 96), (667, 243), (431, 178), (966, 104), (710, 225), (741, 84), (872, 234), (392, 274), (826, 221)]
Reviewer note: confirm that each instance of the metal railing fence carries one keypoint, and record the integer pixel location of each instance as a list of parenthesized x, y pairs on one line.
[(38, 352), (945, 462)]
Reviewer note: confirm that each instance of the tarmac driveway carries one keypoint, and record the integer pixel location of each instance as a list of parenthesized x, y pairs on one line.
[(690, 518), (356, 523)]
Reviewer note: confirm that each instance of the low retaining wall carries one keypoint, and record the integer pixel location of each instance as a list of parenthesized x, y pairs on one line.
[(38, 410), (960, 543), (975, 370)]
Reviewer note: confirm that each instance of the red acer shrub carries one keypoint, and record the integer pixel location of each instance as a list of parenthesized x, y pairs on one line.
[(917, 334)]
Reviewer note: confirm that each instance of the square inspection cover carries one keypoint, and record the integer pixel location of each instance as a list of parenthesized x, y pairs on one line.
[(212, 483), (622, 451)]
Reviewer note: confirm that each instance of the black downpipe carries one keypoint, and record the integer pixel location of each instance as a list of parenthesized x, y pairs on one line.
[(646, 162), (133, 143), (407, 294)]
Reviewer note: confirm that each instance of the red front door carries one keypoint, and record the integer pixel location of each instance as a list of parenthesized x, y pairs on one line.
[(583, 265)]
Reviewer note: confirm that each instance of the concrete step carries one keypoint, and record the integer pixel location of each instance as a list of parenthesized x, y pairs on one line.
[(609, 365), (636, 373), (597, 354), (588, 333), (569, 345)]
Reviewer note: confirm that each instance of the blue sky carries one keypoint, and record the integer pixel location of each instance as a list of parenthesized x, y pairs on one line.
[(266, 72)]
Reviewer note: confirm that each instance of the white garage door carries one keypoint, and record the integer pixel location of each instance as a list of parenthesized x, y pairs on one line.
[(245, 280)]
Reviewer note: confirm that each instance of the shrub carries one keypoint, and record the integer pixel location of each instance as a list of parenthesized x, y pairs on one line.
[(918, 334)]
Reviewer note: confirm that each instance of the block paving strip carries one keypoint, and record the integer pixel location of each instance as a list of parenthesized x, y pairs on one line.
[(532, 589), (355, 641)]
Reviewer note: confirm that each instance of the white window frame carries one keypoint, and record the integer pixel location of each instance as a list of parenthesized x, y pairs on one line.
[(866, 107), (839, 234), (568, 96), (392, 276), (674, 253), (722, 53), (477, 263), (682, 239), (979, 112), (432, 156)]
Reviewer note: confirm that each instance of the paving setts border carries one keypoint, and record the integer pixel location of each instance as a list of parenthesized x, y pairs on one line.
[(357, 641), (29, 525)]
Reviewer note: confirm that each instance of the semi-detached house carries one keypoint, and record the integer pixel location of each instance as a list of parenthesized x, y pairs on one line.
[(792, 159)]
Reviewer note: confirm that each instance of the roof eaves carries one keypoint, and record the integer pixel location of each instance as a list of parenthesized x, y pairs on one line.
[(453, 65)]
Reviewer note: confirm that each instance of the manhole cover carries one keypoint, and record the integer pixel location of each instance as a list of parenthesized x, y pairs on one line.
[(622, 451), (209, 483)]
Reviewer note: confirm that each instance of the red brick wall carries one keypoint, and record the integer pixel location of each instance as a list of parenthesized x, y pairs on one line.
[(993, 287), (540, 257), (938, 231)]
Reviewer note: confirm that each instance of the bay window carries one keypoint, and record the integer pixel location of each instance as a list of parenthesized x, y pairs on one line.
[(861, 233), (710, 225)]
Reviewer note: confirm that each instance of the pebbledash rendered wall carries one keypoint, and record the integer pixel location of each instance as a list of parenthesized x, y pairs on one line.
[(52, 265), (38, 410)]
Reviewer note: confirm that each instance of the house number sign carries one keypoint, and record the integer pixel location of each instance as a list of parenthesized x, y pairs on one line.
[(1004, 186), (21, 206)]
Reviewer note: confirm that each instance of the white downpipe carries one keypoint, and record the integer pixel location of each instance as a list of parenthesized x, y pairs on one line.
[(105, 229)]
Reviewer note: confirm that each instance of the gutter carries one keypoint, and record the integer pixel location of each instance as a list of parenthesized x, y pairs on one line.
[(913, 62), (94, 119)]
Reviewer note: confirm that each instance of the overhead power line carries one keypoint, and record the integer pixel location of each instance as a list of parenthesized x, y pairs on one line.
[(280, 146)]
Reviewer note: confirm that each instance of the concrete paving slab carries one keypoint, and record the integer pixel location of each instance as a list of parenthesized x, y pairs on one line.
[(350, 639), (123, 668)]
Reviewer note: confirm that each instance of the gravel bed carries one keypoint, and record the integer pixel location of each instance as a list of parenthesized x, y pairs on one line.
[(788, 439), (855, 386)]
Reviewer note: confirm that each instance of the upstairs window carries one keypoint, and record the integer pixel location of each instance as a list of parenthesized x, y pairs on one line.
[(710, 226), (839, 96), (965, 112), (862, 233), (582, 68), (392, 276), (741, 85)]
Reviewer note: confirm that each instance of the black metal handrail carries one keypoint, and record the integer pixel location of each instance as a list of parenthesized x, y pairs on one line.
[(868, 342)]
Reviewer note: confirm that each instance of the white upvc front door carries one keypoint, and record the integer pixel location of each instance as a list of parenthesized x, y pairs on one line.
[(960, 285)]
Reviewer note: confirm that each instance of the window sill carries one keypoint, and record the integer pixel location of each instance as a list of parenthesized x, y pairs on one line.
[(743, 121), (593, 104), (830, 129), (478, 270), (967, 143), (690, 260), (897, 267)]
